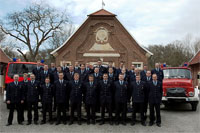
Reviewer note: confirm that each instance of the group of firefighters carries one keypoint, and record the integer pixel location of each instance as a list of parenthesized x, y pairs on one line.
[(99, 89)]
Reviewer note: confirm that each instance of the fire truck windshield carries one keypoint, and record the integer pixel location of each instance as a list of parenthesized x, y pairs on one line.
[(177, 73), (20, 69)]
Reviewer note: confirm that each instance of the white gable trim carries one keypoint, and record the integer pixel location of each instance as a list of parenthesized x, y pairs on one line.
[(135, 39), (54, 52), (194, 56)]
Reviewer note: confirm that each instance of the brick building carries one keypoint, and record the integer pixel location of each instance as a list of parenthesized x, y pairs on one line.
[(4, 59), (102, 36), (195, 68)]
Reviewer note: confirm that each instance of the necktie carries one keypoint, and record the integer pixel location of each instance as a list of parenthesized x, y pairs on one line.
[(154, 82), (16, 83), (90, 83)]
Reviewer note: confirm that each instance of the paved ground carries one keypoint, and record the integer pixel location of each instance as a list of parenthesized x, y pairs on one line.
[(176, 118)]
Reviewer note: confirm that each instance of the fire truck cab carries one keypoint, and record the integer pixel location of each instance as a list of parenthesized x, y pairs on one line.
[(178, 86)]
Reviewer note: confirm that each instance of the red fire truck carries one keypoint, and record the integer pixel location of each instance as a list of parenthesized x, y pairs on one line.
[(178, 86)]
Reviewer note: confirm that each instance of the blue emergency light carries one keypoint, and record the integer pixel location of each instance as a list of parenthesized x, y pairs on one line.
[(185, 64), (14, 59), (42, 61)]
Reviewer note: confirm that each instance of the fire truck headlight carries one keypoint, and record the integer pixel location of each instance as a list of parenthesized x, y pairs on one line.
[(191, 94)]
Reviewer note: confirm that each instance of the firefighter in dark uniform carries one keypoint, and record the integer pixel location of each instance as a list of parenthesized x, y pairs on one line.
[(105, 87), (143, 73), (147, 81), (88, 69), (62, 98), (102, 69), (112, 78), (90, 98), (14, 99), (70, 75), (83, 74), (110, 65), (155, 97), (43, 74), (56, 78), (158, 72), (138, 87), (33, 98), (65, 69), (76, 92), (125, 73), (56, 74), (111, 75), (47, 99), (36, 71), (118, 70), (97, 79), (131, 73), (25, 88), (77, 67), (121, 88), (52, 70)]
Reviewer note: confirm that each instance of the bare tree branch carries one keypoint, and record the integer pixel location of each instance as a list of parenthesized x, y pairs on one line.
[(33, 26)]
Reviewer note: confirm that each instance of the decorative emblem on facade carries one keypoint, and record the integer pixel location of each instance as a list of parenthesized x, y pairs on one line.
[(101, 43), (102, 35)]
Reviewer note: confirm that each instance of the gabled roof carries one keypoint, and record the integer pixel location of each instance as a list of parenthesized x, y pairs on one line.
[(3, 57), (195, 59), (101, 12)]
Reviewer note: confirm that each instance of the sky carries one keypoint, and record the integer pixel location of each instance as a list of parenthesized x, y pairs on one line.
[(148, 21)]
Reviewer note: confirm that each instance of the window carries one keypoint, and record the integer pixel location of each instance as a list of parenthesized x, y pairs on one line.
[(138, 65), (67, 63), (20, 69), (177, 73)]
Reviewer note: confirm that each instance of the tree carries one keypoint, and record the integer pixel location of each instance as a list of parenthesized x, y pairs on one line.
[(173, 54), (9, 50), (60, 37), (32, 27), (193, 44), (2, 36)]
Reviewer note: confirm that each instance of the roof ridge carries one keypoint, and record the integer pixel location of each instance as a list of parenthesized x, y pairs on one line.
[(102, 12)]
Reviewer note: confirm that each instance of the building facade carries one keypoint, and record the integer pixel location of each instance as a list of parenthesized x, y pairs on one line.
[(195, 68), (102, 37)]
